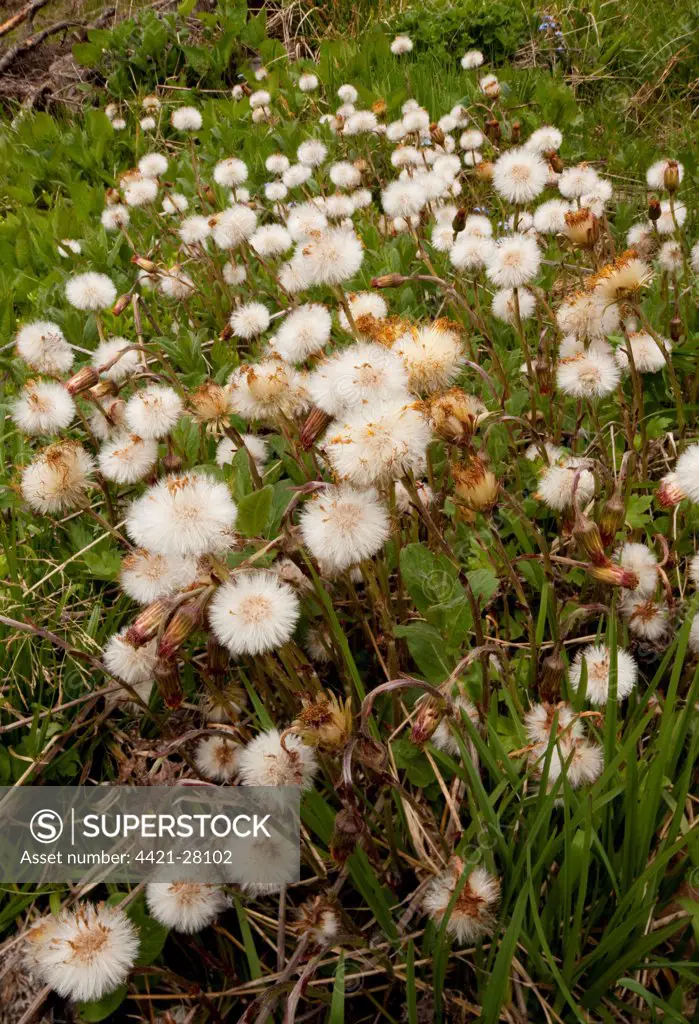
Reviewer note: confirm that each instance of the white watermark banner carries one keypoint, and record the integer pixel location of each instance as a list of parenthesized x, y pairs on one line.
[(228, 834)]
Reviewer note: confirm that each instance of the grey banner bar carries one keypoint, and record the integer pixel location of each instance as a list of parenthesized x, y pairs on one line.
[(225, 834)]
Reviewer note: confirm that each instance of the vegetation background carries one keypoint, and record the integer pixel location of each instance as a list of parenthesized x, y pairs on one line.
[(622, 79)]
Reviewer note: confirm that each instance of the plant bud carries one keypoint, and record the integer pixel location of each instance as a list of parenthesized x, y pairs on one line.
[(315, 424), (459, 221), (484, 170), (371, 753), (121, 303), (582, 228), (654, 210), (612, 519), (436, 134), (105, 389), (218, 659), (589, 540), (319, 918), (552, 673), (361, 165), (348, 830), (516, 133), (455, 415), (172, 462), (669, 493), (226, 333), (210, 195), (675, 328), (555, 161), (210, 402), (388, 281), (167, 678), (148, 622), (671, 178), (493, 129), (614, 575), (430, 714), (84, 379), (475, 484), (144, 264), (183, 623), (324, 722)]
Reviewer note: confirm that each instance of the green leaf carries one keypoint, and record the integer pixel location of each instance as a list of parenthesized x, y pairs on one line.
[(426, 647), (253, 512), (103, 1008), (337, 1007)]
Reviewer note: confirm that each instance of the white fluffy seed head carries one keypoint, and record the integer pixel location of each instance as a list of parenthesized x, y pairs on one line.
[(363, 304), (194, 230), (433, 356), (188, 514), (588, 316), (268, 390), (129, 662), (115, 217), (250, 319), (83, 954), (186, 119), (687, 473), (140, 191), (549, 217), (153, 411), (505, 307), (472, 59), (91, 291), (597, 662), (640, 559), (345, 175), (230, 172), (303, 332), (333, 257), (153, 165), (185, 906), (42, 345), (58, 477), (647, 353), (655, 175), (379, 444), (271, 240), (216, 757), (233, 226), (341, 526), (473, 914), (556, 486), (401, 45), (358, 377), (576, 181), (513, 261), (123, 359), (127, 458), (591, 374), (43, 407), (265, 761), (544, 139), (403, 198), (253, 613), (519, 176), (146, 577)]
